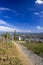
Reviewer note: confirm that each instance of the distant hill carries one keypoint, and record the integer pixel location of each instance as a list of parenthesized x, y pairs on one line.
[(27, 35)]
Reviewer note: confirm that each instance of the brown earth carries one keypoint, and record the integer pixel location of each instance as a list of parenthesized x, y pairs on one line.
[(22, 55)]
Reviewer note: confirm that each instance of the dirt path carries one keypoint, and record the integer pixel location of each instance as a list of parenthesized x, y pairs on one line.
[(22, 55)]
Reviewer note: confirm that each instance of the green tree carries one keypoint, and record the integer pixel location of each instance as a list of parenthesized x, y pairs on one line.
[(15, 35), (7, 35)]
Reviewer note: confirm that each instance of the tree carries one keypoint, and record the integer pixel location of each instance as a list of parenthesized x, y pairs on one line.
[(7, 35), (15, 35)]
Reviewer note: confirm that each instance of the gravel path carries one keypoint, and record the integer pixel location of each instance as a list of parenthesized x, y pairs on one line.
[(22, 55), (27, 56)]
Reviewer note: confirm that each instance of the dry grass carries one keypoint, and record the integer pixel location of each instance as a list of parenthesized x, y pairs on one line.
[(21, 41), (35, 47), (9, 56)]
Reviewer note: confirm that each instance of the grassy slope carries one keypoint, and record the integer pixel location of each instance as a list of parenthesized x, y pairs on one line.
[(12, 53), (35, 47)]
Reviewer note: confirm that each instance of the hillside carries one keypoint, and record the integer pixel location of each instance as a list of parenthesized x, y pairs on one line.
[(9, 54)]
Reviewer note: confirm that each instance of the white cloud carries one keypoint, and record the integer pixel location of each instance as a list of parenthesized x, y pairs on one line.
[(4, 26), (6, 16), (39, 2), (2, 9), (6, 29), (7, 9), (3, 22), (41, 12), (9, 29), (41, 16), (18, 30), (36, 13), (38, 27), (13, 11)]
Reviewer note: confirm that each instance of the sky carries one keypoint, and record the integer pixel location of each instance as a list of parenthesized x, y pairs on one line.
[(22, 15)]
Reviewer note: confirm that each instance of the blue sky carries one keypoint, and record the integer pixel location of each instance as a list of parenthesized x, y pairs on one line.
[(22, 15)]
